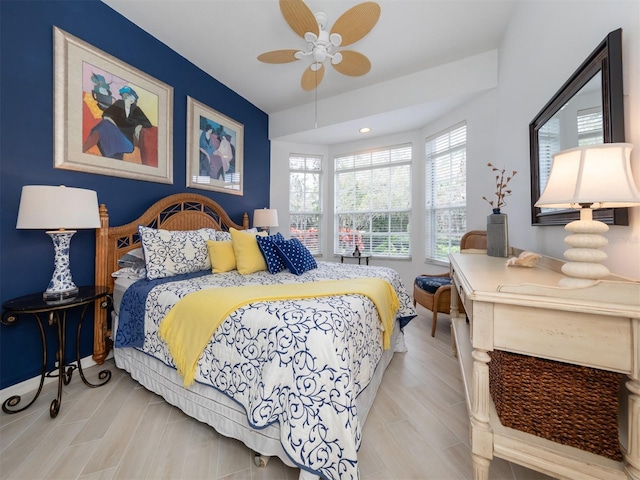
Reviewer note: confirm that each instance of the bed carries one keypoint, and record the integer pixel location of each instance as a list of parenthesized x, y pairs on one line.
[(290, 375)]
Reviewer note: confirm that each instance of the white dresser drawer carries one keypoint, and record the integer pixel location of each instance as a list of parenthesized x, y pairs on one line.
[(464, 302)]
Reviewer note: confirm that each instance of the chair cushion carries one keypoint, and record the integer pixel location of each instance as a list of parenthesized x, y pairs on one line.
[(431, 284)]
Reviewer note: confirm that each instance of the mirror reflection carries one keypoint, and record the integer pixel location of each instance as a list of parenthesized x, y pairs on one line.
[(588, 109), (578, 123)]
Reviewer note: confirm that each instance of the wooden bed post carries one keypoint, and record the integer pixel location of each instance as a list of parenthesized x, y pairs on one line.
[(189, 211), (101, 279)]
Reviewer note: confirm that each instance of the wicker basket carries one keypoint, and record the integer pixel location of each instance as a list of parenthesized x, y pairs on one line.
[(568, 404)]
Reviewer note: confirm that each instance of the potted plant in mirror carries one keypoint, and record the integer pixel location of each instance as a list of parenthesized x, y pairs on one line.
[(497, 226)]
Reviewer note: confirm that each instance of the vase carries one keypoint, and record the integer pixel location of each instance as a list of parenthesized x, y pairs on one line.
[(497, 234)]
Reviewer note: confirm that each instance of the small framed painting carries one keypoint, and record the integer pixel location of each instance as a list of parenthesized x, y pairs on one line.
[(215, 150), (110, 118)]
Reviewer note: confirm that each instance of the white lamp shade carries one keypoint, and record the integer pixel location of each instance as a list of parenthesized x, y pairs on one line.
[(54, 207), (265, 217), (597, 175)]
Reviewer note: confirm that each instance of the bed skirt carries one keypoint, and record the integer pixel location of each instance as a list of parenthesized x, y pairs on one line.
[(226, 416)]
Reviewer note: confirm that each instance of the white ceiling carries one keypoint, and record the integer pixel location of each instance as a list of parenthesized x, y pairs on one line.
[(224, 38)]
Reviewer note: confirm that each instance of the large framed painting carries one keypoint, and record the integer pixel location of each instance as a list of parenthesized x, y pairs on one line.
[(215, 150), (110, 118)]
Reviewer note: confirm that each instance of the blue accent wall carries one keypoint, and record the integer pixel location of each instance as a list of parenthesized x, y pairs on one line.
[(26, 154)]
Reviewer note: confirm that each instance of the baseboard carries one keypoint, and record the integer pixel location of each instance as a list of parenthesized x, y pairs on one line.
[(31, 385)]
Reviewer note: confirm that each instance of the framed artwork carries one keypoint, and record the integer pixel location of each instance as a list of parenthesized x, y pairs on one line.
[(109, 117), (215, 150)]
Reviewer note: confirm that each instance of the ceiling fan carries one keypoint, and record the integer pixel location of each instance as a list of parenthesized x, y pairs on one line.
[(352, 25)]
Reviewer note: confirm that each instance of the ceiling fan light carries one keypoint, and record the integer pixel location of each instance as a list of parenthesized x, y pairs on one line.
[(319, 53), (353, 24), (335, 39)]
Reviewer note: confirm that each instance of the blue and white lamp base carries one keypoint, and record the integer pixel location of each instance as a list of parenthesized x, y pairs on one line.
[(61, 286)]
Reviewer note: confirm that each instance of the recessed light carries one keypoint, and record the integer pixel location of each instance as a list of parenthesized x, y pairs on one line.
[(365, 130)]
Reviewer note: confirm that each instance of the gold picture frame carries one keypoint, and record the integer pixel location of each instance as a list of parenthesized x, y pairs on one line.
[(215, 150), (110, 118)]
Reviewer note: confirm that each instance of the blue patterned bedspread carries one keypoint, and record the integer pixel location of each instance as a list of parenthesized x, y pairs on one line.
[(300, 363)]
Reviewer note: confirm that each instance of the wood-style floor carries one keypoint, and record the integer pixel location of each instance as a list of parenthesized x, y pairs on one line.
[(417, 429)]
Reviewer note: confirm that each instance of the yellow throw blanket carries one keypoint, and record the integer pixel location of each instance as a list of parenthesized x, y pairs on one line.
[(190, 323)]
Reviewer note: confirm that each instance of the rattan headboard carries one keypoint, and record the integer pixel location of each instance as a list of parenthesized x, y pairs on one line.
[(182, 211)]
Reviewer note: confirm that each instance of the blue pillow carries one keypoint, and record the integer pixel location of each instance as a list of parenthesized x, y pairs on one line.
[(269, 252), (295, 256)]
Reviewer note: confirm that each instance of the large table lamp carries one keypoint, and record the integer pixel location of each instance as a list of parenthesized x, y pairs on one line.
[(265, 218), (588, 178), (61, 211)]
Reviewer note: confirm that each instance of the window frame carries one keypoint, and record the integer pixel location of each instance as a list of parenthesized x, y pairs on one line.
[(431, 206), (315, 247), (370, 239)]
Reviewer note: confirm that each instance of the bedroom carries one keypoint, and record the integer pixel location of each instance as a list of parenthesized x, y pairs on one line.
[(501, 116)]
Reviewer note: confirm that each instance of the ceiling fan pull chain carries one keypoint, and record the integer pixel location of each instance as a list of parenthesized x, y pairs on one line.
[(316, 94)]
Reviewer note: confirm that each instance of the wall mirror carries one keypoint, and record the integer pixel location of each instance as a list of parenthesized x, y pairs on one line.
[(587, 110)]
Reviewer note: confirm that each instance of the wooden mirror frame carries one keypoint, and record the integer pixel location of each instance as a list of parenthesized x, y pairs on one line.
[(607, 60)]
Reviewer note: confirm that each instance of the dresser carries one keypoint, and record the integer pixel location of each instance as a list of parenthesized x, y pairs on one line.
[(523, 311)]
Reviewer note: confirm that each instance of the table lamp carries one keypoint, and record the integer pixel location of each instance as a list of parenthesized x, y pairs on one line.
[(56, 209), (265, 218), (588, 178)]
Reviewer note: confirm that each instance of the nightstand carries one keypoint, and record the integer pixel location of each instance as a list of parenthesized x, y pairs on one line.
[(56, 315), (365, 257)]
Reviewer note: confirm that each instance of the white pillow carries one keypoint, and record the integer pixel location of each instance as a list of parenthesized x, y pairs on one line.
[(133, 259), (223, 236), (173, 252), (130, 272)]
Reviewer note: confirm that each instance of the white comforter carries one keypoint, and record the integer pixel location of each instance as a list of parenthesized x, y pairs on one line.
[(300, 363)]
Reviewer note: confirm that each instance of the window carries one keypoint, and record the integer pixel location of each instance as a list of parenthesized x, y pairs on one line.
[(305, 211), (590, 130), (549, 145), (446, 192), (373, 202)]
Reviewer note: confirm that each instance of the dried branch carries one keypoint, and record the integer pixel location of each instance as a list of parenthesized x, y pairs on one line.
[(501, 187)]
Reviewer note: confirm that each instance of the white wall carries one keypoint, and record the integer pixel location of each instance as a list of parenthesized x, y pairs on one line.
[(480, 118), (280, 152), (544, 44), (456, 79)]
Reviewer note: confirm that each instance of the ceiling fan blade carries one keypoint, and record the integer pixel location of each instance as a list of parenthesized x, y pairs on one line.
[(311, 79), (278, 56), (299, 17), (353, 63), (356, 22)]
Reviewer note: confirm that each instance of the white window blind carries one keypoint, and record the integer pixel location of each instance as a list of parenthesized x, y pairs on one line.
[(373, 202), (548, 146), (590, 130), (305, 202), (446, 192)]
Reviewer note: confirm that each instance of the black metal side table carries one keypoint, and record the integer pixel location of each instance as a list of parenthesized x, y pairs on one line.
[(364, 256), (57, 315)]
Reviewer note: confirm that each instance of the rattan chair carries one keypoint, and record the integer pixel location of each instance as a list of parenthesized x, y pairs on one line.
[(433, 291)]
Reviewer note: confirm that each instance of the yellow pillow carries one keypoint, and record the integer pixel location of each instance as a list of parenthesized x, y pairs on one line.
[(249, 258), (222, 257)]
